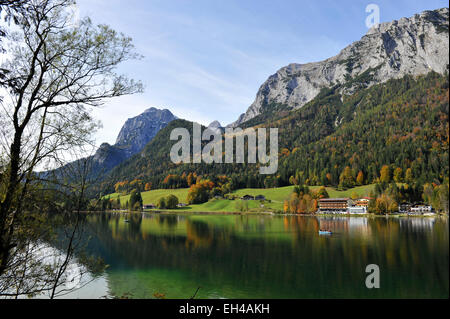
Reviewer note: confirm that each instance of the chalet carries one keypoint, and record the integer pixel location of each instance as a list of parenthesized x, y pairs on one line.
[(260, 197), (248, 197), (404, 207), (334, 205), (363, 202), (149, 206), (421, 209)]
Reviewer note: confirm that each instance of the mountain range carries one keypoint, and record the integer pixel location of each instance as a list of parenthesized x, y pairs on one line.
[(409, 46), (317, 105), (133, 136)]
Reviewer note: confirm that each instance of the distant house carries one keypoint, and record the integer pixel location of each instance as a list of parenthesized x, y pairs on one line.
[(218, 197), (248, 197), (363, 202), (182, 205), (149, 206), (404, 207), (421, 209), (260, 197), (335, 205)]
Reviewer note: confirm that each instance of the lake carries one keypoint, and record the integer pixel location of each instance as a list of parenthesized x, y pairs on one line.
[(267, 256)]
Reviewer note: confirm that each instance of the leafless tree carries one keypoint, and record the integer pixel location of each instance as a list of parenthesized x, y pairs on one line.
[(50, 263), (55, 69)]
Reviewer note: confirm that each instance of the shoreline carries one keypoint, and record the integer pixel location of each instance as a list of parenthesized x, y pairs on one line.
[(268, 213)]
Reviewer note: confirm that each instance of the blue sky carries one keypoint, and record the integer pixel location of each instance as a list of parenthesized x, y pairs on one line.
[(205, 60)]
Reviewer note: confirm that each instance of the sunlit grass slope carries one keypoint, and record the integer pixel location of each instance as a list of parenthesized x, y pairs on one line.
[(275, 195)]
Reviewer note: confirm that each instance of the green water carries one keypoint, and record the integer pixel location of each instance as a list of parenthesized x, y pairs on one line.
[(239, 256)]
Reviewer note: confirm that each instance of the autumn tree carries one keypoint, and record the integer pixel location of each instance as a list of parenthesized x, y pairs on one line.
[(292, 180), (360, 178), (122, 187), (301, 201), (398, 174), (409, 178), (442, 198), (428, 193), (322, 193), (346, 178), (136, 201), (171, 201), (437, 195), (190, 179), (385, 204), (161, 203), (200, 192), (385, 174)]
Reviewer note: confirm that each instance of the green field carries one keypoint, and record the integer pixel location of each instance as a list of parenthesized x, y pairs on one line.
[(360, 190), (281, 193), (275, 195), (151, 197)]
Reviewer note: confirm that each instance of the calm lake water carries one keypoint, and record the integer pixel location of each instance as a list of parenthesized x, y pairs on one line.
[(260, 256)]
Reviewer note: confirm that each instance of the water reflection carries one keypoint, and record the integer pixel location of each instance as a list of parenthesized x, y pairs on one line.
[(417, 224), (239, 256)]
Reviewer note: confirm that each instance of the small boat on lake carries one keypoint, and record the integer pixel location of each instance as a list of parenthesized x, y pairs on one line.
[(325, 232)]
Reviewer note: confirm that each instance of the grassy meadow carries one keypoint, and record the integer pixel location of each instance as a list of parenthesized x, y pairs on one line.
[(275, 195)]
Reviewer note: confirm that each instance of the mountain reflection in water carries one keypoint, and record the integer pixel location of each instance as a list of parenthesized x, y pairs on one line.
[(261, 256)]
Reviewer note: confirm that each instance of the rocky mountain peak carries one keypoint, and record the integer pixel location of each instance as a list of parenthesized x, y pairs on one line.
[(415, 46), (216, 126), (134, 135), (139, 130)]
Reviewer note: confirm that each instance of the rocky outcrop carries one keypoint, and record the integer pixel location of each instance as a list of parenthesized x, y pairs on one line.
[(139, 130), (415, 46), (134, 135), (216, 127), (107, 156)]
